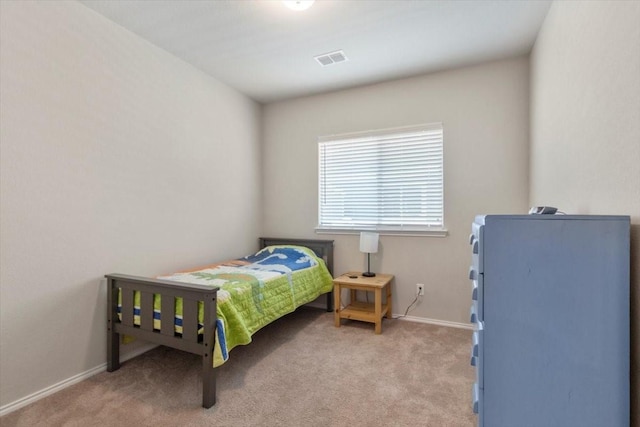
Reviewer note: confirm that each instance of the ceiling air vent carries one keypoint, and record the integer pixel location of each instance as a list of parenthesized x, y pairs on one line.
[(331, 58)]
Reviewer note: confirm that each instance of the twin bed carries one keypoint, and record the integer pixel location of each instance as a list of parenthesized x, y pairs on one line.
[(218, 307)]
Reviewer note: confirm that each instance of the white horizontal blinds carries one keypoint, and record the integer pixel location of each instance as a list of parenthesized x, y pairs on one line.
[(389, 180)]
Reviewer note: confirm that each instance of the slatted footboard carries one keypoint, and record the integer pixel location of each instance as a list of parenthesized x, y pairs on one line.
[(190, 340)]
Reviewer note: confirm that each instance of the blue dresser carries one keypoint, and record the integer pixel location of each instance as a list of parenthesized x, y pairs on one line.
[(550, 304)]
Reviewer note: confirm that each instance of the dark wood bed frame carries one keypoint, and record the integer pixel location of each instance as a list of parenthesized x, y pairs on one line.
[(190, 340)]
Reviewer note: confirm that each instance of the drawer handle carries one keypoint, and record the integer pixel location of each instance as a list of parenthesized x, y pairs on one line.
[(474, 348), (472, 237), (473, 317), (472, 273), (475, 247)]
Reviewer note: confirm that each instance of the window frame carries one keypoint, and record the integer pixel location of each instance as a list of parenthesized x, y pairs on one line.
[(379, 135)]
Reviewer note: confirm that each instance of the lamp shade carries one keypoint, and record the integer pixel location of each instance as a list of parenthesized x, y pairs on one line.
[(368, 242)]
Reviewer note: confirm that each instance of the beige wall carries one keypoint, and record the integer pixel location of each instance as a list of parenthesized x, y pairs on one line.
[(485, 113), (115, 157), (585, 124)]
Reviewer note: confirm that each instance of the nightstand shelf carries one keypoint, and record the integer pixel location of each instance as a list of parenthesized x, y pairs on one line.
[(363, 311)]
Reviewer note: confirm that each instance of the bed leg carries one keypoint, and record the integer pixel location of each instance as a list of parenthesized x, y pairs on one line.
[(209, 338), (113, 338), (330, 302), (208, 384), (113, 351)]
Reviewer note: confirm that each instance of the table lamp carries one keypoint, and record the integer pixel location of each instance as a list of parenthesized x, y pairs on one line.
[(368, 244)]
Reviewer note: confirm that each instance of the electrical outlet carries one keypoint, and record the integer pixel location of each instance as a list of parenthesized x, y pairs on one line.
[(419, 289)]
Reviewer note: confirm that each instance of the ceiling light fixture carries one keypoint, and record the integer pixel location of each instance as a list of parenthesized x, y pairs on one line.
[(298, 4)]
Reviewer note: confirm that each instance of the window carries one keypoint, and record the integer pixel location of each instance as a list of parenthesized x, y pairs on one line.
[(390, 180)]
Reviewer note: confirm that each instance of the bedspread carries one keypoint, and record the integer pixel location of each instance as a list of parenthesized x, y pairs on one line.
[(254, 291)]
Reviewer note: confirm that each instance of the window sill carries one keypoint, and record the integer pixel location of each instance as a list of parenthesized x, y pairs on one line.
[(440, 232)]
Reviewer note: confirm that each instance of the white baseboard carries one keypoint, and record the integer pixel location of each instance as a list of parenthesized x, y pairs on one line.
[(434, 321), (13, 406), (438, 322)]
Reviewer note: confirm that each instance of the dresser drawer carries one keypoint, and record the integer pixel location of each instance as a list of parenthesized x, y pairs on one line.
[(476, 241), (476, 263), (477, 297), (477, 363), (477, 353), (475, 398), (475, 314)]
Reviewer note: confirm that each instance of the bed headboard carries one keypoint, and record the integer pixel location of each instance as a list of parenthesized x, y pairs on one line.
[(322, 248)]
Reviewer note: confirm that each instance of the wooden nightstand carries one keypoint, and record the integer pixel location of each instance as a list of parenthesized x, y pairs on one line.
[(358, 310)]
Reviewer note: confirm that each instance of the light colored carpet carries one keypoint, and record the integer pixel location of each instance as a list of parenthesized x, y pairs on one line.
[(299, 371)]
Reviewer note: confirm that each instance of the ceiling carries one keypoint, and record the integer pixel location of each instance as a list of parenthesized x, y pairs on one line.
[(266, 51)]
